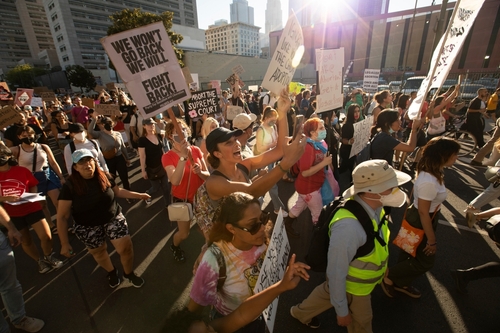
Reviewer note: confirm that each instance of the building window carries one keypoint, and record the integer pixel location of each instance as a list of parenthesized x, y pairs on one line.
[(60, 38), (51, 6), (176, 21), (54, 17), (62, 48), (57, 28), (65, 58), (189, 22)]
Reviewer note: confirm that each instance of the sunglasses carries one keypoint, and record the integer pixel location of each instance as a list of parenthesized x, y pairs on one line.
[(85, 160), (264, 218)]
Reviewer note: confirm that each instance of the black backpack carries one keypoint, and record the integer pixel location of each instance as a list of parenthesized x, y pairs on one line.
[(317, 257), (261, 103)]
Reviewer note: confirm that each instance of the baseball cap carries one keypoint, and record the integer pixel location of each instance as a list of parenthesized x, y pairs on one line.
[(219, 135), (148, 121), (27, 107), (79, 154), (76, 128), (375, 176), (243, 120)]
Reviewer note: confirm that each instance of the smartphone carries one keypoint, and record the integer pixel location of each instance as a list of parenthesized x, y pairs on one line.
[(177, 138), (299, 121)]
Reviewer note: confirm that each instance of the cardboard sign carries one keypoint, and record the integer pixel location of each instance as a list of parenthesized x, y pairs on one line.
[(23, 97), (238, 70), (273, 268), (232, 111), (203, 102), (329, 66), (110, 86), (99, 88), (48, 96), (285, 58), (8, 116), (39, 90), (195, 85), (5, 94), (361, 135), (36, 101), (146, 61), (215, 84), (370, 80), (187, 75), (88, 102), (107, 109)]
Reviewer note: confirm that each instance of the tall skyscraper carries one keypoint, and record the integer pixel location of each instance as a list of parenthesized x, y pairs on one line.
[(274, 16), (241, 12)]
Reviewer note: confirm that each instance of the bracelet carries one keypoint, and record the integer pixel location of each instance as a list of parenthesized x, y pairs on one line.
[(432, 244), (281, 168)]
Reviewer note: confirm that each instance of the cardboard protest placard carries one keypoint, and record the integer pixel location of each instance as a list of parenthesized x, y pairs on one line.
[(48, 96), (253, 88), (5, 94), (146, 62), (370, 80), (329, 66), (203, 102), (361, 135), (238, 70), (99, 88), (121, 86), (88, 102), (8, 116), (110, 86), (195, 85), (36, 101), (107, 109), (38, 90), (232, 111), (446, 51), (286, 57), (216, 85), (23, 97), (273, 268), (187, 75)]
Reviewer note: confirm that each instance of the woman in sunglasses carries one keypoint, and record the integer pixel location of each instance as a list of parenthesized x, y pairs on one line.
[(230, 267)]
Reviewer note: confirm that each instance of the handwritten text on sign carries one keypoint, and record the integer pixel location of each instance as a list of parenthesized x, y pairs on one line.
[(203, 102), (370, 80), (280, 71), (329, 64), (274, 267)]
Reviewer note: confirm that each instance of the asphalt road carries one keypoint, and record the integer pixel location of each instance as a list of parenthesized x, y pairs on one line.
[(77, 298)]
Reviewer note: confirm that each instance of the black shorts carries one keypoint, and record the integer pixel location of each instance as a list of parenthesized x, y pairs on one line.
[(95, 236), (26, 221)]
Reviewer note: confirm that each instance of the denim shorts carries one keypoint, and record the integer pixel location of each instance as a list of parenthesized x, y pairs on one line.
[(95, 236), (47, 181)]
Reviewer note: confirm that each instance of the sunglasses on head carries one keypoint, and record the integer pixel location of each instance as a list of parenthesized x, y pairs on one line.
[(264, 218)]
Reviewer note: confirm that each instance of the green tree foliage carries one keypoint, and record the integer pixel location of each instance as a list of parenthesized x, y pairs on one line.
[(81, 77), (134, 18), (23, 76)]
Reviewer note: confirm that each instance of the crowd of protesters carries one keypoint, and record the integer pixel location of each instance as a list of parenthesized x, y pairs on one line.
[(223, 168)]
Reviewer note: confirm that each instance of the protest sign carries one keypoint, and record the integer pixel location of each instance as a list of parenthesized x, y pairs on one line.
[(232, 111), (253, 88), (110, 86), (23, 97), (238, 70), (361, 135), (295, 87), (8, 116), (88, 102), (107, 109), (48, 96), (462, 19), (195, 84), (329, 65), (146, 62), (215, 84), (38, 90), (99, 88), (286, 57), (370, 80), (187, 75), (121, 86), (5, 94), (203, 102), (274, 266), (36, 101)]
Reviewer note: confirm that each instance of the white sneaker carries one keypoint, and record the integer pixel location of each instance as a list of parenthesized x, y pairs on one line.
[(149, 202), (30, 324)]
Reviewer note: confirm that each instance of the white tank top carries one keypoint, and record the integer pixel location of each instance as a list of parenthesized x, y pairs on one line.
[(26, 158)]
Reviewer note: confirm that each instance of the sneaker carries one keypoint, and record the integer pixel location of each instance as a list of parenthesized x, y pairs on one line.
[(113, 279), (135, 280), (410, 291), (30, 324), (43, 267), (178, 253), (53, 261), (460, 282), (471, 217), (388, 289), (313, 323), (149, 202)]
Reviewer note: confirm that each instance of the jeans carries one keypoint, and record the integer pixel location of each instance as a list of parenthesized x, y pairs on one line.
[(10, 288), (165, 188), (118, 164)]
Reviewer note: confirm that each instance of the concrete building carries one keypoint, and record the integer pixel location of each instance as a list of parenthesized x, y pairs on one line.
[(24, 32), (234, 38), (274, 16), (241, 12)]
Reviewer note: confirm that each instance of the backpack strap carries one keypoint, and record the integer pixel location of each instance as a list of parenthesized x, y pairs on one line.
[(222, 265), (72, 146), (34, 158)]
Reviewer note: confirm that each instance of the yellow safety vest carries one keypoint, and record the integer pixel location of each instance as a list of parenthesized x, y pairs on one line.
[(366, 272)]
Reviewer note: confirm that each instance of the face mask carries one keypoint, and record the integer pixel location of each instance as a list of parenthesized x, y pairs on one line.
[(28, 140), (80, 136), (395, 199), (4, 160), (159, 116), (271, 123), (335, 121), (321, 135), (391, 131)]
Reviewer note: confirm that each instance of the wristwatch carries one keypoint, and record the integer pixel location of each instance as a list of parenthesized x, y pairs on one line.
[(183, 159)]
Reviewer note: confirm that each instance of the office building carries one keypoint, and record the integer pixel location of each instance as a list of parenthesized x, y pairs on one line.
[(274, 16), (241, 12), (233, 38)]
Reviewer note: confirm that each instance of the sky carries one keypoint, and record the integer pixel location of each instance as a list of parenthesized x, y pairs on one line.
[(211, 11)]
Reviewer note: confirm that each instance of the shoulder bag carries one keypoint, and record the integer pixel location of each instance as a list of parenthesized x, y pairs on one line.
[(110, 153), (181, 211)]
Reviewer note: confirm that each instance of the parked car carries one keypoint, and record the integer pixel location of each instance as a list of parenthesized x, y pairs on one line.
[(394, 86), (412, 84), (383, 87)]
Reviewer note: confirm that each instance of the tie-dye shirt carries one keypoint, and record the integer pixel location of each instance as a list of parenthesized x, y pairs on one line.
[(242, 271)]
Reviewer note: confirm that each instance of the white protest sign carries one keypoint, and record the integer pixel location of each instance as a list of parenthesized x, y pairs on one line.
[(329, 65), (216, 85), (195, 84), (146, 62), (23, 97), (274, 266), (286, 57), (36, 101), (449, 46), (370, 80), (361, 135), (238, 70), (233, 111)]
